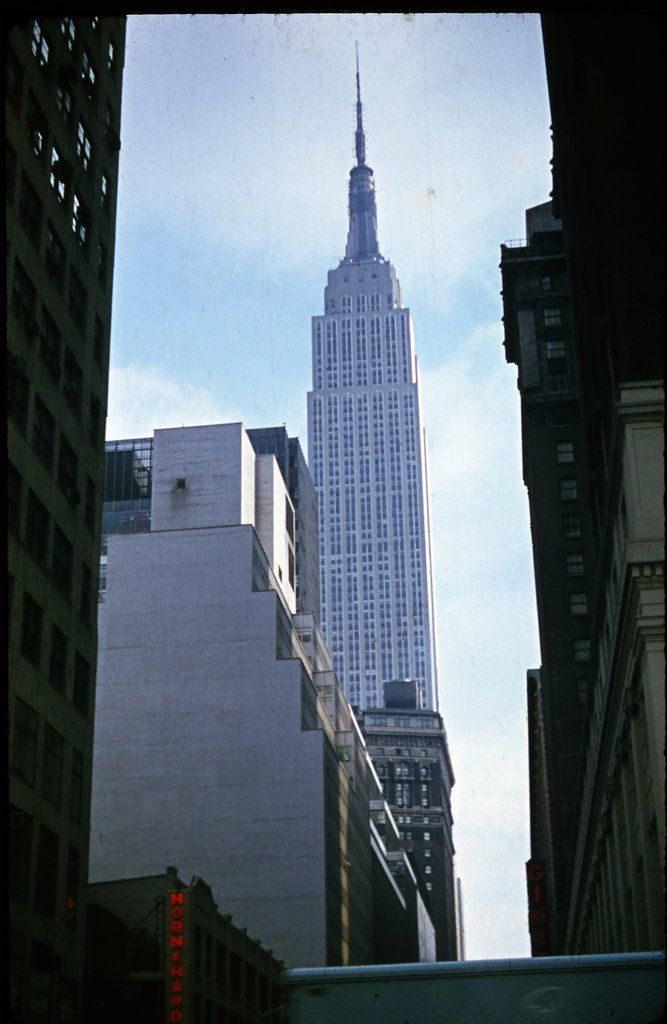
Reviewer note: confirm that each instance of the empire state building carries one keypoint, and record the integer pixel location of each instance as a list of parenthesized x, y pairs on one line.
[(366, 454)]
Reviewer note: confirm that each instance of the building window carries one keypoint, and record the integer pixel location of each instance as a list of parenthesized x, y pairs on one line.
[(68, 471), (50, 344), (111, 60), (568, 489), (555, 349), (571, 526), (578, 604), (76, 791), (36, 126), (39, 45), (427, 837), (52, 765), (31, 635), (37, 529), (582, 690), (428, 870), (72, 382), (61, 563), (68, 29), (547, 283), (557, 382), (24, 753), (58, 659), (582, 649), (574, 564), (86, 593), (43, 433), (429, 886), (58, 175), (54, 257), (24, 300), (564, 451), (30, 211), (64, 103), (18, 392), (83, 145), (78, 299), (427, 853), (46, 880), (80, 221), (88, 75), (80, 692), (20, 852), (552, 316), (104, 192)]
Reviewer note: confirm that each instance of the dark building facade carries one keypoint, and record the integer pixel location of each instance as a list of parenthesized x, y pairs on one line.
[(64, 80), (292, 463), (408, 746), (538, 339), (160, 950), (609, 193)]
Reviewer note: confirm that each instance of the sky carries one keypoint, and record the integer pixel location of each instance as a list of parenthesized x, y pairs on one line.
[(237, 140)]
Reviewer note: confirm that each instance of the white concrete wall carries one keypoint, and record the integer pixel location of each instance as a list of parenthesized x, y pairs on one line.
[(271, 498), (199, 758), (218, 466)]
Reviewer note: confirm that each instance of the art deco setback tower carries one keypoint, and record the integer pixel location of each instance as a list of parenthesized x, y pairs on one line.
[(366, 454)]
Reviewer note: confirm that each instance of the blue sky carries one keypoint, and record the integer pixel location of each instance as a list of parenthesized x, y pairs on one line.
[(237, 140)]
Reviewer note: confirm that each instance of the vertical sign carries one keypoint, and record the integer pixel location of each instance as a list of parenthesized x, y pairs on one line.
[(176, 972), (537, 907)]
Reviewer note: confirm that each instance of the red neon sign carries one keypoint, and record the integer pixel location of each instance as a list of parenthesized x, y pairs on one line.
[(176, 971)]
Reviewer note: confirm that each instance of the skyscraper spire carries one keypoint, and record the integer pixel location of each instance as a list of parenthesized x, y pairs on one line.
[(359, 139), (362, 242)]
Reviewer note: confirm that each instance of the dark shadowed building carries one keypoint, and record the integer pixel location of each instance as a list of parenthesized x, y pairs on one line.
[(64, 78), (409, 749), (539, 340), (606, 80)]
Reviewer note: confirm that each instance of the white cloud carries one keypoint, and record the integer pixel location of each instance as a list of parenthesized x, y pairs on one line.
[(143, 398)]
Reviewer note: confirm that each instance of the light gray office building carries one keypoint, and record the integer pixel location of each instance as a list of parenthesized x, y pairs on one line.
[(366, 454), (223, 740)]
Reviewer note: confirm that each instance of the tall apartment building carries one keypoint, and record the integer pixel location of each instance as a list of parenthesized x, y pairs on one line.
[(366, 453), (408, 745), (64, 78), (223, 739), (609, 192), (539, 340)]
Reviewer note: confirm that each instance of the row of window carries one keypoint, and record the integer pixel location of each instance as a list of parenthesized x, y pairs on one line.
[(43, 440), (362, 304), (61, 361), (31, 217), (34, 859), (41, 48), (404, 770), (61, 665), (36, 744), (232, 973)]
